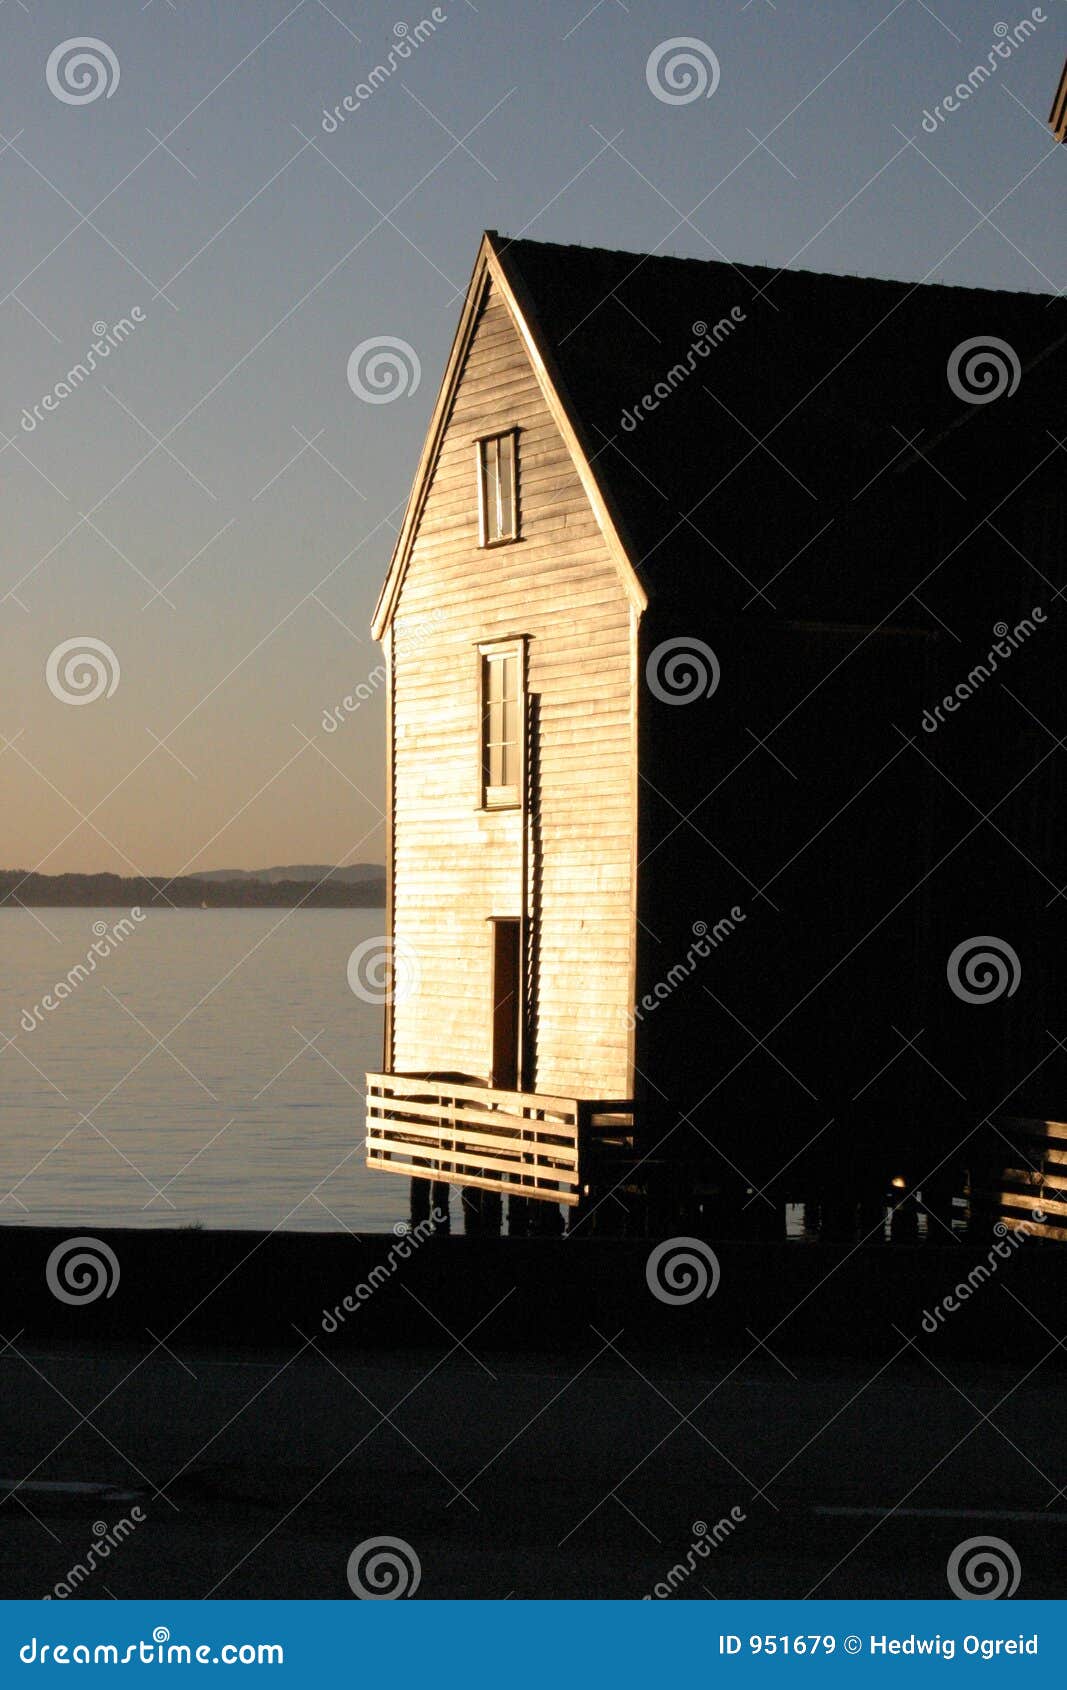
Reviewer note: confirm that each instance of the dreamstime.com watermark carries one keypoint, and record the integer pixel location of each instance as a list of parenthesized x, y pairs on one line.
[(350, 703), (1009, 1240), (1008, 39), (704, 942), (408, 1240), (408, 41), (705, 1539), (158, 1650), (1008, 640), (702, 346), (107, 941), (105, 1539), (108, 337), (337, 714)]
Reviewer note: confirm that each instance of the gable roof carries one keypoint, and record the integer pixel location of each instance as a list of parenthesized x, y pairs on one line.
[(487, 271), (728, 418)]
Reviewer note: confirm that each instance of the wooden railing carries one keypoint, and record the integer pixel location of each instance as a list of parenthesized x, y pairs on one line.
[(525, 1143), (1027, 1178)]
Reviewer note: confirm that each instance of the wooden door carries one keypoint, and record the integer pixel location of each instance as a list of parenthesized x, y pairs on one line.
[(507, 1005)]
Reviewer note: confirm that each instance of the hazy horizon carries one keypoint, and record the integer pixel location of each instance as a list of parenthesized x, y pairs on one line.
[(215, 503), (220, 868)]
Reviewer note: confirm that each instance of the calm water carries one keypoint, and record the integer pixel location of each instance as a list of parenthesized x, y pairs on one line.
[(237, 1123)]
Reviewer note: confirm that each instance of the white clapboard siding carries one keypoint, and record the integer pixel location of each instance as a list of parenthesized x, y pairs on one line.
[(455, 866)]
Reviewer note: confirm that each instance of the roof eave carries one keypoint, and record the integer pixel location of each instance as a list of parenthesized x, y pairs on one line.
[(386, 604), (1058, 115)]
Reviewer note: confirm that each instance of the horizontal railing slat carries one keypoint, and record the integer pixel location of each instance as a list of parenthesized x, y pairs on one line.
[(425, 1134), (392, 1109), (430, 1132), (472, 1159), (568, 1197), (410, 1085)]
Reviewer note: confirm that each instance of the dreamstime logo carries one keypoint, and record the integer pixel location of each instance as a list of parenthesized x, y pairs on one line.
[(159, 1650), (383, 1569), (106, 1538), (983, 1569), (1008, 640), (703, 344), (408, 1240), (1007, 40), (704, 942), (705, 1539), (1009, 1239), (406, 41), (681, 670), (983, 969), (108, 338), (333, 718), (682, 1270), (383, 970), (106, 939), (81, 69), (81, 670), (384, 368), (681, 70), (983, 369), (81, 1270)]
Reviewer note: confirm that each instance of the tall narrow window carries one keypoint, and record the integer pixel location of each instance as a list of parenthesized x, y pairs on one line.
[(497, 483), (501, 726)]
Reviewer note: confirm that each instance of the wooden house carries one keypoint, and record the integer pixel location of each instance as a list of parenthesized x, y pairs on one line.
[(706, 783)]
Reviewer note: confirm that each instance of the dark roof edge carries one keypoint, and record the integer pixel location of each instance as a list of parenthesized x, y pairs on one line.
[(503, 243)]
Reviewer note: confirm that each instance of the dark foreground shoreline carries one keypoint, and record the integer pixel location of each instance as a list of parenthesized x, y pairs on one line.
[(525, 1418), (237, 1288)]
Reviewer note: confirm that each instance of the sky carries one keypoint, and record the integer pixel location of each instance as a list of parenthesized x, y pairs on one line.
[(214, 505)]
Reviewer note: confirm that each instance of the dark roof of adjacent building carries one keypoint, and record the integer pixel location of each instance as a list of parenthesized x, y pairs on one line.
[(764, 435)]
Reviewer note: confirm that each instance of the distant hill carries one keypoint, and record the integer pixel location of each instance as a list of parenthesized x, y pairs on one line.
[(197, 891), (354, 876)]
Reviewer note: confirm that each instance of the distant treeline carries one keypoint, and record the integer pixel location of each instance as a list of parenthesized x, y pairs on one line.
[(86, 890)]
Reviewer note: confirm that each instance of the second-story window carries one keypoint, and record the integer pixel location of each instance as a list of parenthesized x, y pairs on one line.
[(502, 728), (498, 514)]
